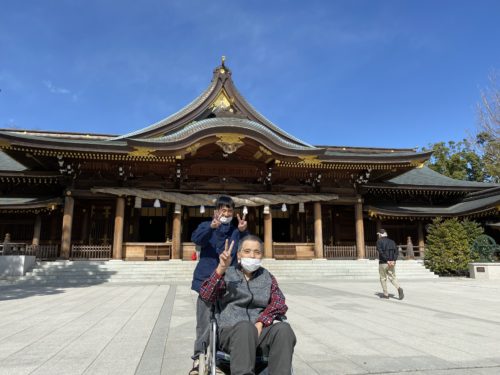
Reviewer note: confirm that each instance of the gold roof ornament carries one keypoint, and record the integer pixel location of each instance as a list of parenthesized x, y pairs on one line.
[(230, 142), (221, 102), (223, 66)]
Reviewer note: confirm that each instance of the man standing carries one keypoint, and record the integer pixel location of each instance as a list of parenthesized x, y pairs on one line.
[(387, 255)]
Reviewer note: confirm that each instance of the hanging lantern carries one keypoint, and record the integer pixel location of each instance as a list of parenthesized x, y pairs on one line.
[(302, 209), (138, 202), (266, 209), (283, 207), (245, 210), (202, 209), (157, 203), (177, 208)]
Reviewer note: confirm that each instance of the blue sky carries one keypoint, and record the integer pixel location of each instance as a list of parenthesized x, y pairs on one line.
[(356, 73)]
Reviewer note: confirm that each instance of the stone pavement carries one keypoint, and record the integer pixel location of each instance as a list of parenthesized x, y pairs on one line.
[(445, 326)]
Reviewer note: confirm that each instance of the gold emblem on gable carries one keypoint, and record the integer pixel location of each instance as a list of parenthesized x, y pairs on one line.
[(222, 101), (230, 142)]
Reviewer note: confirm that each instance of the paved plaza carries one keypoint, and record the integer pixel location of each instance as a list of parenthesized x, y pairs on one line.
[(445, 326)]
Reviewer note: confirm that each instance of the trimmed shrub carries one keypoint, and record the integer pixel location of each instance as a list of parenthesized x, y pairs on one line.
[(449, 246)]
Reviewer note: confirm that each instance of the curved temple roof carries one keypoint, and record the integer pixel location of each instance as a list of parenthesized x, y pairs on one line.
[(223, 123), (221, 84)]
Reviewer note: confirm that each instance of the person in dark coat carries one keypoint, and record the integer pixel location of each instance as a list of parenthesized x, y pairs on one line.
[(387, 255), (211, 237)]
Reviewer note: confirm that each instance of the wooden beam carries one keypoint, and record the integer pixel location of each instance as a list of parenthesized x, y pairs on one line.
[(67, 226), (118, 232), (318, 231), (360, 232)]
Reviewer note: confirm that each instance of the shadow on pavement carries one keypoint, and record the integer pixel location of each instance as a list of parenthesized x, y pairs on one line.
[(49, 278)]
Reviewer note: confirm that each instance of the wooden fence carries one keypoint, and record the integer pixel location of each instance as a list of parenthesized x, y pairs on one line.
[(90, 252), (349, 252), (41, 252)]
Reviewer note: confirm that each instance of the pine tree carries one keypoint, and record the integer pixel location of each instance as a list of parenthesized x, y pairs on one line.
[(449, 245)]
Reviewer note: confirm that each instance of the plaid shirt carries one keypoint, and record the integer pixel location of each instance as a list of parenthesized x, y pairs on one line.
[(214, 288)]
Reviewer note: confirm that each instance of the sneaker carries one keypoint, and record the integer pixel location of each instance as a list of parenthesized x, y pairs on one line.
[(401, 294), (384, 296), (196, 367)]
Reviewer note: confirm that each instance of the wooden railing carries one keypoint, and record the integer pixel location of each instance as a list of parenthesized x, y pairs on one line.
[(418, 252), (340, 252), (161, 251), (13, 248), (349, 252), (90, 252), (283, 251), (43, 252), (371, 252)]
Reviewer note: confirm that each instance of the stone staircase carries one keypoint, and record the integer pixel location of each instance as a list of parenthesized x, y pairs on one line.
[(97, 272)]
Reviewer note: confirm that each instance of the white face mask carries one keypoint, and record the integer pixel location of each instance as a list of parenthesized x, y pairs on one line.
[(250, 264), (225, 219)]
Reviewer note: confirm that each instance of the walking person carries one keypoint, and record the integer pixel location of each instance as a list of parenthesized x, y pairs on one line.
[(210, 237), (387, 255)]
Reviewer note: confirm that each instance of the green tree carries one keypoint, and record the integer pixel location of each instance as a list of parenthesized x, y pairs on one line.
[(457, 160), (449, 246)]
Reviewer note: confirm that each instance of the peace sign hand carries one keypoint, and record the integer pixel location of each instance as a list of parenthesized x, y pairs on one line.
[(216, 220), (242, 223), (225, 258)]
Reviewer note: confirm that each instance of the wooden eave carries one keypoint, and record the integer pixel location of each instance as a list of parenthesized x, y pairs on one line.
[(373, 187)]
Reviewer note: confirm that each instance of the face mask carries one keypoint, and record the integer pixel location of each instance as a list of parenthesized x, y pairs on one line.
[(225, 220), (250, 264)]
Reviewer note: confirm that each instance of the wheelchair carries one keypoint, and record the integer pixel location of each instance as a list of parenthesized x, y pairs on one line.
[(214, 359)]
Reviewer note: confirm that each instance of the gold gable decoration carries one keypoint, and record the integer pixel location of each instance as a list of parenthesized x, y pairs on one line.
[(230, 143), (222, 102)]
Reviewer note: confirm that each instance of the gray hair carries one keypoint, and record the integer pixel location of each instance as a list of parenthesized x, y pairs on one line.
[(250, 237)]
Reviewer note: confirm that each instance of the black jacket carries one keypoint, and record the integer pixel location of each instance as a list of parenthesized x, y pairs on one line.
[(387, 250)]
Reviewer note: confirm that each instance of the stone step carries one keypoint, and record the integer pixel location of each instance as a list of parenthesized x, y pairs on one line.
[(88, 272)]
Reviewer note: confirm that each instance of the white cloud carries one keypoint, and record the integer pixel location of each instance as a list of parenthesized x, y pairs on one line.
[(56, 90)]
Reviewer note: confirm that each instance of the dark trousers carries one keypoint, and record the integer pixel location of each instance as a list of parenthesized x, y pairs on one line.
[(203, 311), (241, 342)]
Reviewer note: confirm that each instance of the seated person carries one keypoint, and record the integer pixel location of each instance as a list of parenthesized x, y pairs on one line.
[(249, 300)]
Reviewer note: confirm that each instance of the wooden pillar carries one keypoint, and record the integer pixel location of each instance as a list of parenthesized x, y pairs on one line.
[(268, 235), (53, 227), (318, 231), (85, 227), (302, 223), (37, 230), (118, 233), (336, 225), (360, 231), (176, 235), (67, 226), (421, 241), (379, 225)]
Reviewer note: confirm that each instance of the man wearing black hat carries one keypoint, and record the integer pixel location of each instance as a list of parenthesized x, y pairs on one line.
[(387, 255)]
